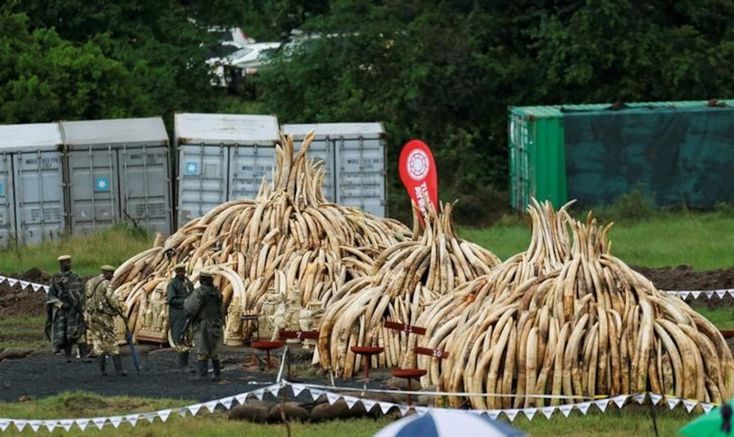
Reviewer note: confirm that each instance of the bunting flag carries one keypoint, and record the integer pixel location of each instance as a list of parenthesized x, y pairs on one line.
[(332, 397)]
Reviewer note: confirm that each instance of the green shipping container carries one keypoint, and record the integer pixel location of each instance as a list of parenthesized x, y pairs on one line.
[(678, 153)]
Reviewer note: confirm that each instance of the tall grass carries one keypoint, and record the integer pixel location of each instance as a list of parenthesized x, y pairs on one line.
[(110, 246)]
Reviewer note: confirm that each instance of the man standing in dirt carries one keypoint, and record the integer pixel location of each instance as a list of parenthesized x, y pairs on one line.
[(102, 308), (205, 309), (65, 310), (179, 288)]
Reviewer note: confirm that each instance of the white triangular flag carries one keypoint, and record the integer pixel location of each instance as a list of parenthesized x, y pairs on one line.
[(82, 423), (20, 424), (706, 407), (547, 411), (385, 406), (4, 424), (116, 421), (421, 410), (66, 424), (241, 398), (182, 412), (695, 294), (350, 401), (530, 412), (708, 294), (731, 292), (297, 389), (132, 419), (12, 282), (332, 397), (672, 402), (46, 288), (493, 414), (403, 409), (258, 393), (602, 404), (690, 405), (721, 293), (368, 404), (24, 285), (163, 414), (566, 409), (583, 407), (655, 398), (35, 424), (620, 400), (639, 398), (2, 278), (211, 405), (315, 393), (511, 414), (193, 409), (684, 294), (150, 417), (274, 390), (51, 424), (99, 422), (227, 402), (36, 287)]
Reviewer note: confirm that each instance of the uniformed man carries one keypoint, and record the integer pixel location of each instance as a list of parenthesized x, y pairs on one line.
[(179, 288), (102, 308), (206, 310), (65, 310)]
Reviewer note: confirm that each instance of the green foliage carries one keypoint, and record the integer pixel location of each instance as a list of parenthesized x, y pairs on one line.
[(632, 206)]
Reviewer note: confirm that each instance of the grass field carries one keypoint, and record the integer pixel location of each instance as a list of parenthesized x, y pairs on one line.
[(632, 420), (22, 332)]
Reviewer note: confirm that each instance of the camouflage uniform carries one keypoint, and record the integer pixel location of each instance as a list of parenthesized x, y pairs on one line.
[(178, 290), (204, 307), (102, 308), (67, 321)]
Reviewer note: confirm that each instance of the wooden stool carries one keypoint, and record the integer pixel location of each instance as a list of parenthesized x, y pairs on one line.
[(267, 346), (409, 374), (367, 351)]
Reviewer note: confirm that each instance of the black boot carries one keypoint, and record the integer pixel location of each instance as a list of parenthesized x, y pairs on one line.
[(102, 363), (203, 368), (84, 353), (67, 353), (117, 361), (183, 359), (216, 370)]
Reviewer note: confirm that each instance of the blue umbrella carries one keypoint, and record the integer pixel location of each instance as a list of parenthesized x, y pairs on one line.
[(448, 423)]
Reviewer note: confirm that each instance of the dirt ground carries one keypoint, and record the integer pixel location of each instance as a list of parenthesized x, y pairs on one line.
[(685, 278)]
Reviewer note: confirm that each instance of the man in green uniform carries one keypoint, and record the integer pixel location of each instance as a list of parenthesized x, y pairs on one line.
[(65, 310), (179, 288), (205, 309), (102, 308)]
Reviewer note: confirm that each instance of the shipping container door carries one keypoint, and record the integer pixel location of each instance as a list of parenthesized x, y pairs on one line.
[(145, 186), (322, 150), (202, 179), (248, 165), (361, 173), (93, 191), (7, 217), (39, 195), (519, 176)]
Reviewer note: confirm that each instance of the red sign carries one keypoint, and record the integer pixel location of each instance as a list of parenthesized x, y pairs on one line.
[(419, 174), (410, 329), (435, 353)]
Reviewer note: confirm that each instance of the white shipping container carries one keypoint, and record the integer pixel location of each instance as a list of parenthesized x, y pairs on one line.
[(222, 157), (117, 170), (355, 159), (31, 183)]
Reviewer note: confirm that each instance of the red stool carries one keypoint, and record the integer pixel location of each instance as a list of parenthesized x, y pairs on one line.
[(267, 346), (367, 351), (409, 374)]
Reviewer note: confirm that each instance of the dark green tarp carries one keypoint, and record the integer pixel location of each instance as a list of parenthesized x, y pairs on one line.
[(676, 157)]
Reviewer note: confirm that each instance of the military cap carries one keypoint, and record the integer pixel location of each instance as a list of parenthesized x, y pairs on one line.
[(64, 258), (107, 268), (205, 274), (180, 266)]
